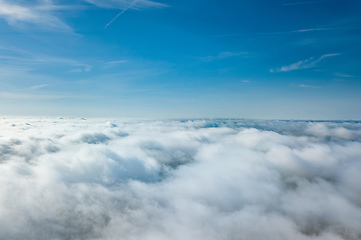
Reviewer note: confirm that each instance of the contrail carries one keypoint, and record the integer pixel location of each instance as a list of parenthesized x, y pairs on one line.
[(130, 5)]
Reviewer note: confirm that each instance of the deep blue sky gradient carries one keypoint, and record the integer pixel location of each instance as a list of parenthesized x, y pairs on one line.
[(242, 59)]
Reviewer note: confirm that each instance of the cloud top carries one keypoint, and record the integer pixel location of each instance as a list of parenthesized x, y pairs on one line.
[(201, 179)]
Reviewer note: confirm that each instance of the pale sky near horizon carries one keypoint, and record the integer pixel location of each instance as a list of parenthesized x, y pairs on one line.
[(140, 58)]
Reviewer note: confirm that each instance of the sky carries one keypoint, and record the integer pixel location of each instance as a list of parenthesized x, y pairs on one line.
[(277, 59)]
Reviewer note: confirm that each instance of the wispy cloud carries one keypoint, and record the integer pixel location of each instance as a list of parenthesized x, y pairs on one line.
[(297, 31), (308, 63), (328, 55), (127, 4), (343, 75), (111, 64), (49, 6), (36, 87), (41, 14), (117, 62), (306, 30), (82, 68), (125, 9), (23, 58), (307, 86), (222, 55)]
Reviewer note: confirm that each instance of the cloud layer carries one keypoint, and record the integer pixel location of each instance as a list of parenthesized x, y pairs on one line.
[(201, 179)]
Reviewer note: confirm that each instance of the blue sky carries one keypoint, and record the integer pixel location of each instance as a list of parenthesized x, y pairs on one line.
[(139, 58)]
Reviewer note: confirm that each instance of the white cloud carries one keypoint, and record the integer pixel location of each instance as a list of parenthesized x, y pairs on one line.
[(111, 64), (328, 55), (308, 63), (84, 68), (99, 179), (223, 55), (125, 4), (41, 15), (286, 32), (299, 31), (36, 87), (311, 30)]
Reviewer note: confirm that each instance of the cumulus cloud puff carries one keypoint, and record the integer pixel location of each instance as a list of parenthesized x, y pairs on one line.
[(201, 179)]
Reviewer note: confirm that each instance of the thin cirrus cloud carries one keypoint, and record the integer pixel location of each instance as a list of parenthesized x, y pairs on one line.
[(299, 31), (111, 64), (300, 3), (24, 58), (308, 63), (343, 75), (126, 4), (41, 15), (82, 68), (284, 32), (222, 55)]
